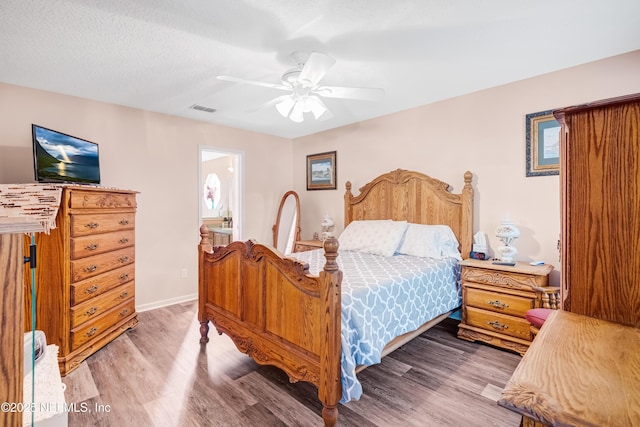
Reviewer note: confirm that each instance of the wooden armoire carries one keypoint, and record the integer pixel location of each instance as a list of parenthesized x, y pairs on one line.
[(600, 188)]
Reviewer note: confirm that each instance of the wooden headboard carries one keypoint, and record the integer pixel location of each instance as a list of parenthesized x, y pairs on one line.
[(417, 198)]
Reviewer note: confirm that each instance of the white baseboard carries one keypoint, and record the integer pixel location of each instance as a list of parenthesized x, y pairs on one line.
[(166, 302)]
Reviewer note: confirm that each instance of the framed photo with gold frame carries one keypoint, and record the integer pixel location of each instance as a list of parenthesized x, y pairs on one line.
[(543, 144), (321, 171)]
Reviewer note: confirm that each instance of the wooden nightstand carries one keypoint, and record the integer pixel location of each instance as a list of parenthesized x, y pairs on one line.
[(495, 299), (307, 245)]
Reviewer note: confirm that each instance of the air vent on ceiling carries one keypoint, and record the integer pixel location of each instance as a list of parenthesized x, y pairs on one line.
[(203, 108)]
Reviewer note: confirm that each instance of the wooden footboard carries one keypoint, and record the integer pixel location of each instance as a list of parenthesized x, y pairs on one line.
[(275, 311)]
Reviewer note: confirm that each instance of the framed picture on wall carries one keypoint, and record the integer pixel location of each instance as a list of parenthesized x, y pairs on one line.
[(321, 171), (543, 144)]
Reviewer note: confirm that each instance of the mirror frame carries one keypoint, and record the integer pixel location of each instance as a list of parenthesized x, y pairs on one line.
[(276, 226)]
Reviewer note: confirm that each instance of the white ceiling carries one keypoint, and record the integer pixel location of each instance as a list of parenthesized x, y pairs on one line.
[(164, 55)]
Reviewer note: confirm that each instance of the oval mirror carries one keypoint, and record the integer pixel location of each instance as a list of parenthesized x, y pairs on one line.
[(286, 230)]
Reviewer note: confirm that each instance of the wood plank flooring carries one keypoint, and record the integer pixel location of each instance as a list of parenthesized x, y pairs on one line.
[(158, 375)]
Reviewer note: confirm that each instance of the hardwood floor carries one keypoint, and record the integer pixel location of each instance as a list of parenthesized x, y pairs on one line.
[(158, 375)]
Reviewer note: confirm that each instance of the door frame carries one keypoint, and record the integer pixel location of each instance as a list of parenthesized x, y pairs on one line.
[(237, 204)]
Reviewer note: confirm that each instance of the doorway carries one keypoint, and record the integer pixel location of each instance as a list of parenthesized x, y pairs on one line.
[(220, 188)]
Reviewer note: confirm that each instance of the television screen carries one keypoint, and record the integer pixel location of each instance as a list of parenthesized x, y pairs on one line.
[(59, 157)]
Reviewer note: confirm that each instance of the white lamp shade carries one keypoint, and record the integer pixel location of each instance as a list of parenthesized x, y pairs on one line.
[(297, 113), (316, 106), (285, 106)]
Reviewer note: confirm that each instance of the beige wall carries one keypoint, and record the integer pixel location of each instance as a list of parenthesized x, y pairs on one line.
[(483, 132), (156, 155)]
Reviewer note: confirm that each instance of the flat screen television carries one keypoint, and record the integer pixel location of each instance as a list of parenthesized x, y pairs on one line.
[(63, 158)]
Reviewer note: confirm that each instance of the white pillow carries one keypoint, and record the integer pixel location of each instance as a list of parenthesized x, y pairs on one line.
[(380, 237), (432, 241)]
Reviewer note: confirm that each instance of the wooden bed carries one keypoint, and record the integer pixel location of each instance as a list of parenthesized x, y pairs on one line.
[(275, 311)]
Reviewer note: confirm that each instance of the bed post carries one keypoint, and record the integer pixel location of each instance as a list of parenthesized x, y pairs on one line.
[(203, 247), (466, 230), (330, 388), (347, 204)]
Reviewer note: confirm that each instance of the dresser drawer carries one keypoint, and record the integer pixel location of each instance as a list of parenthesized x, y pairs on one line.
[(498, 302), (500, 323), (100, 200), (89, 330), (83, 225), (96, 306), (100, 243), (97, 264), (93, 286)]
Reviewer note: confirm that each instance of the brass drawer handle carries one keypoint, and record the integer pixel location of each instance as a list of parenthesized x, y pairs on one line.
[(124, 312), (123, 240), (91, 311), (91, 247), (124, 222), (497, 325), (124, 258), (123, 276), (92, 225), (498, 304), (91, 332), (124, 294), (90, 268), (91, 289)]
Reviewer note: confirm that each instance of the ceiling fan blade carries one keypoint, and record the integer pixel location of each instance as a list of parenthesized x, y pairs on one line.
[(364, 93), (285, 105), (253, 82), (315, 68), (269, 104)]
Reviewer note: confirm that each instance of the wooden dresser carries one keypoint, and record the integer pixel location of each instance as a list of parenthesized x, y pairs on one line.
[(495, 299), (85, 289), (600, 187)]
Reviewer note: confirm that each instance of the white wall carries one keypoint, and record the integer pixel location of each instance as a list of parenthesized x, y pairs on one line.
[(483, 132), (156, 155)]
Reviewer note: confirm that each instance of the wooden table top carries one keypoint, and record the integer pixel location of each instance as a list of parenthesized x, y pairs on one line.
[(579, 370)]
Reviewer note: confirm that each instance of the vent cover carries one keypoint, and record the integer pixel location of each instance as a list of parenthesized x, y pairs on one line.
[(202, 108)]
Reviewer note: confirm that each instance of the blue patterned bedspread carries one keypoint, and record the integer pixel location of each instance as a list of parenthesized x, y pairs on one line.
[(382, 298)]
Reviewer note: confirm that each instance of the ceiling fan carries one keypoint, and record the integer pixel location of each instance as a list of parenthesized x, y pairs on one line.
[(303, 83)]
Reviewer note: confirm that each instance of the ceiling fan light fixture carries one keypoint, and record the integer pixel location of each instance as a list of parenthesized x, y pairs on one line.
[(316, 106), (297, 113), (285, 106), (304, 91)]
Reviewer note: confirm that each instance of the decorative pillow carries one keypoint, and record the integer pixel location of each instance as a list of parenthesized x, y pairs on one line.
[(380, 237), (537, 316), (431, 241)]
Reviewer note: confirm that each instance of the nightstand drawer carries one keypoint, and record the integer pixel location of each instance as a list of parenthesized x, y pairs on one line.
[(498, 302), (307, 245), (500, 323), (504, 279)]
